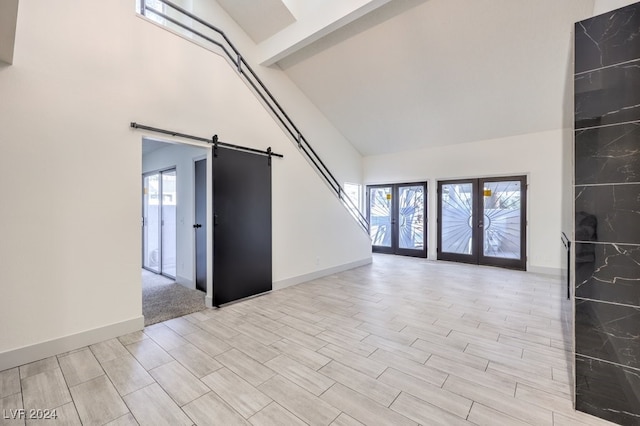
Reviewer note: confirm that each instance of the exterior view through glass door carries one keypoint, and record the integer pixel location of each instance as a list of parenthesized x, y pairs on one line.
[(397, 218), (482, 221), (159, 202)]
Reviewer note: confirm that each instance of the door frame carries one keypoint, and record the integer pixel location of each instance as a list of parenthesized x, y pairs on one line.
[(395, 226), (477, 256)]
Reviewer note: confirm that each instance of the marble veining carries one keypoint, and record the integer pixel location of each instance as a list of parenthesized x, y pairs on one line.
[(608, 213), (608, 332), (608, 272), (608, 391), (608, 96), (608, 154), (608, 39)]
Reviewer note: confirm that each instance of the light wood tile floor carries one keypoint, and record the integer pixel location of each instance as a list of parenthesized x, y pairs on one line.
[(401, 341)]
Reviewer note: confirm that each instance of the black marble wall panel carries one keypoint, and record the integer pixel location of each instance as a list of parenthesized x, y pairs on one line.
[(608, 332), (608, 390), (607, 215), (608, 96), (608, 154), (612, 210), (607, 39), (608, 272)]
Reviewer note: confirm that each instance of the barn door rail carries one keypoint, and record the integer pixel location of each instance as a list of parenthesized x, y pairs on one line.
[(161, 11)]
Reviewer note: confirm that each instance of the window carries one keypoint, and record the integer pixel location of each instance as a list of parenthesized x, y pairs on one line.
[(354, 192), (150, 6)]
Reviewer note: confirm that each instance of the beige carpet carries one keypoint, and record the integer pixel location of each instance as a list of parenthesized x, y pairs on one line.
[(164, 299)]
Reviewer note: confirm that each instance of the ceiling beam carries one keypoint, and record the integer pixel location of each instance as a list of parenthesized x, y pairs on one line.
[(8, 22)]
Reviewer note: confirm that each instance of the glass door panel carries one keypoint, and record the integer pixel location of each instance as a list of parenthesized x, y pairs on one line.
[(397, 218), (482, 221), (502, 218), (151, 223), (456, 218), (169, 203), (380, 216), (411, 217)]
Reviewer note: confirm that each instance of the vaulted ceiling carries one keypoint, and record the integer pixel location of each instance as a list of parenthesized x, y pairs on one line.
[(408, 74)]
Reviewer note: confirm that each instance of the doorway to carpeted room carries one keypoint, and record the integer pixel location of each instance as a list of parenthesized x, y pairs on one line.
[(164, 299)]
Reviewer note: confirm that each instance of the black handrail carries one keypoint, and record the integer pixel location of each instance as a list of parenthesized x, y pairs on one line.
[(236, 58)]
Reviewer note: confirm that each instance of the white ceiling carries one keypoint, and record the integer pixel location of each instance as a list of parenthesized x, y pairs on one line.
[(444, 72)]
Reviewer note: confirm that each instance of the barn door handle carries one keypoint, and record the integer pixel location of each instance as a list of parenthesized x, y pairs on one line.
[(197, 225)]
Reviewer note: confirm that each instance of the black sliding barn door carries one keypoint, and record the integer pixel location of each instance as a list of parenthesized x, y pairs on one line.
[(242, 225)]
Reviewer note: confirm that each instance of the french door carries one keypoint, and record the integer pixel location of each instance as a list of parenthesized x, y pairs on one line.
[(397, 218), (159, 202), (482, 221)]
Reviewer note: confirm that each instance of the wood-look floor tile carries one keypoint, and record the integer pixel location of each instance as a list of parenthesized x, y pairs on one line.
[(217, 329), (178, 382), (65, 415), (446, 352), (306, 356), (346, 420), (578, 418), (134, 337), (9, 382), (434, 395), (253, 348), (108, 350), (97, 401), (494, 381), (126, 420), (152, 406), (246, 367), (372, 388), (300, 374), (195, 360), (45, 390), (10, 410), (361, 408), (38, 367), (238, 393), (486, 416), (80, 367), (353, 345), (149, 354), (544, 399), (300, 338), (302, 325), (368, 366), (423, 412), (275, 415), (423, 372), (491, 398), (208, 343), (181, 326), (298, 401), (127, 375), (405, 351), (211, 409), (165, 337)]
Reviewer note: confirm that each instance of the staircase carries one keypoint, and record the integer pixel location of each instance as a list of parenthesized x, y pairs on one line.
[(171, 15)]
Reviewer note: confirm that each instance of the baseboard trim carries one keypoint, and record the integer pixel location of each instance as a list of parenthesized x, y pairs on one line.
[(208, 301), (38, 351), (288, 282), (545, 270)]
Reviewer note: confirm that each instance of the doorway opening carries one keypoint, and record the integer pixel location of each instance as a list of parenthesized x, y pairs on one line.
[(483, 221), (168, 238), (397, 218)]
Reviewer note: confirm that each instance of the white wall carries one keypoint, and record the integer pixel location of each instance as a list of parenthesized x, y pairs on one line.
[(70, 244), (538, 155), (181, 157), (603, 6)]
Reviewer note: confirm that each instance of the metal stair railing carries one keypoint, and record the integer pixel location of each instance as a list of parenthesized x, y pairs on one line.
[(250, 77)]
